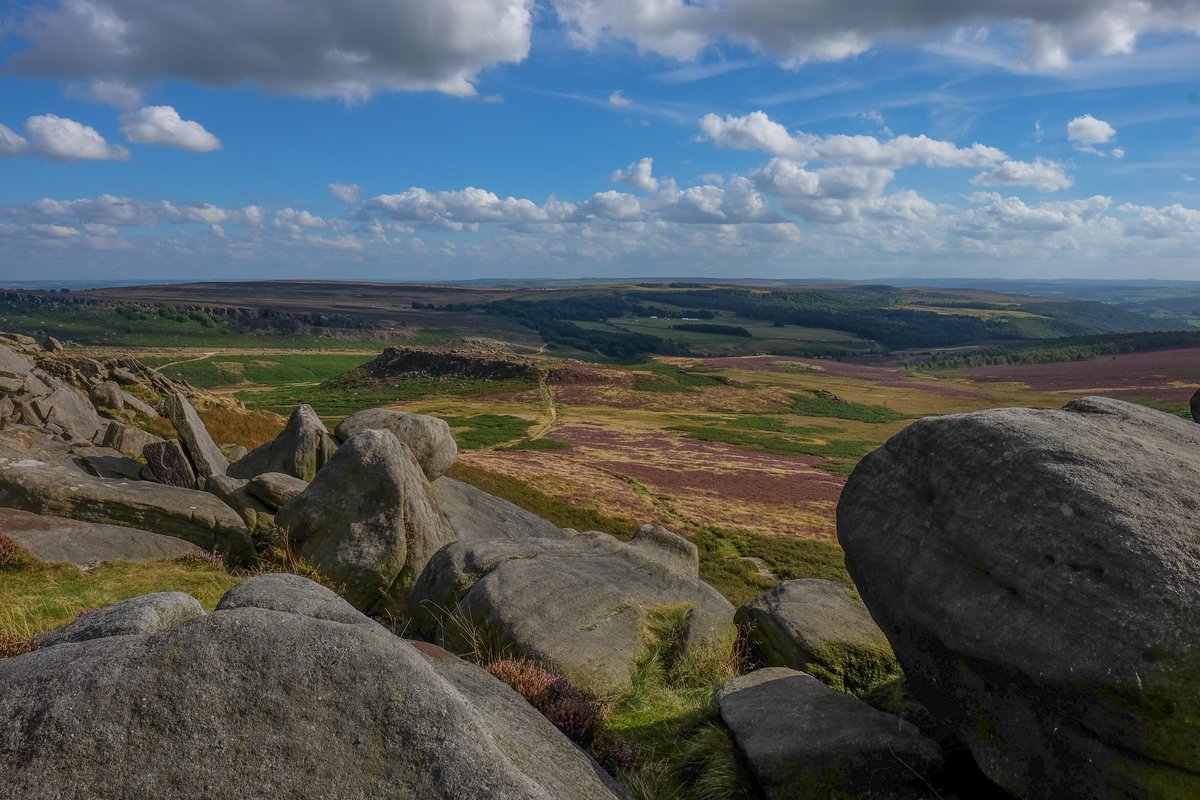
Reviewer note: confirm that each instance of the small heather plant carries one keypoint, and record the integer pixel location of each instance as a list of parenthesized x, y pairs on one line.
[(85, 612), (212, 558), (15, 645), (13, 556), (571, 711)]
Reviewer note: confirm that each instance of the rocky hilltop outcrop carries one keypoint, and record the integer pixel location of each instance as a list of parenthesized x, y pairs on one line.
[(1035, 576)]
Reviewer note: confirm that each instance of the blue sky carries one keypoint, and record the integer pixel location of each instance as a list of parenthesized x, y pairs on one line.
[(403, 140)]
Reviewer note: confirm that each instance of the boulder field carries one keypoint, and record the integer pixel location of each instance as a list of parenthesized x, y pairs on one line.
[(1034, 576)]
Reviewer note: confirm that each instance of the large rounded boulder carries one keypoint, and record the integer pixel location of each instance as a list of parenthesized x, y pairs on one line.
[(586, 605), (283, 691), (1038, 575), (368, 522), (428, 437)]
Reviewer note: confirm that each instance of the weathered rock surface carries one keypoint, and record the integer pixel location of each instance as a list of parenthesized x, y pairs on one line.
[(194, 516), (300, 450), (105, 463), (202, 451), (313, 701), (62, 539), (822, 628), (70, 410), (138, 406), (579, 604), (428, 437), (108, 394), (259, 519), (1194, 406), (167, 463), (274, 489), (149, 613), (368, 521), (803, 740), (474, 514), (126, 438), (1038, 574)]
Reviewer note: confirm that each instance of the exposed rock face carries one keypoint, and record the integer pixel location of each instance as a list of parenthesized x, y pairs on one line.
[(368, 521), (311, 701), (194, 516), (1038, 574), (126, 438), (1195, 406), (149, 613), (138, 406), (474, 514), (428, 437), (62, 539), (274, 489), (822, 628), (70, 410), (804, 740), (203, 452), (258, 517), (299, 450), (166, 463), (579, 604), (108, 394)]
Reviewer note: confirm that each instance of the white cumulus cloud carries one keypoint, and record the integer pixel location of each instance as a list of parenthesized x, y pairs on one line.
[(163, 125), (1087, 130), (618, 98), (348, 49), (346, 192), (12, 143), (64, 140), (639, 175), (1043, 175), (757, 131)]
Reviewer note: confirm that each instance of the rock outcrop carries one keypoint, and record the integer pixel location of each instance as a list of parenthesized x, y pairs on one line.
[(428, 437), (300, 450), (82, 543), (474, 514), (368, 521), (822, 628), (202, 451), (259, 518), (580, 604), (274, 489), (55, 490), (167, 463), (803, 740), (1038, 574), (283, 691)]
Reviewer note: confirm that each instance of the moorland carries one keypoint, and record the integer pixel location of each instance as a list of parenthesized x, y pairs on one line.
[(731, 413)]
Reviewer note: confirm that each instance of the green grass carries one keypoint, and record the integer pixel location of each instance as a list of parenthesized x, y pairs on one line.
[(671, 716), (335, 402), (670, 378), (723, 563), (42, 597), (487, 430), (263, 369), (819, 403)]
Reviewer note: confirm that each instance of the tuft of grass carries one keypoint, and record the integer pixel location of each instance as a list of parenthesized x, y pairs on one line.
[(487, 430), (159, 426), (560, 512), (820, 403), (670, 716)]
